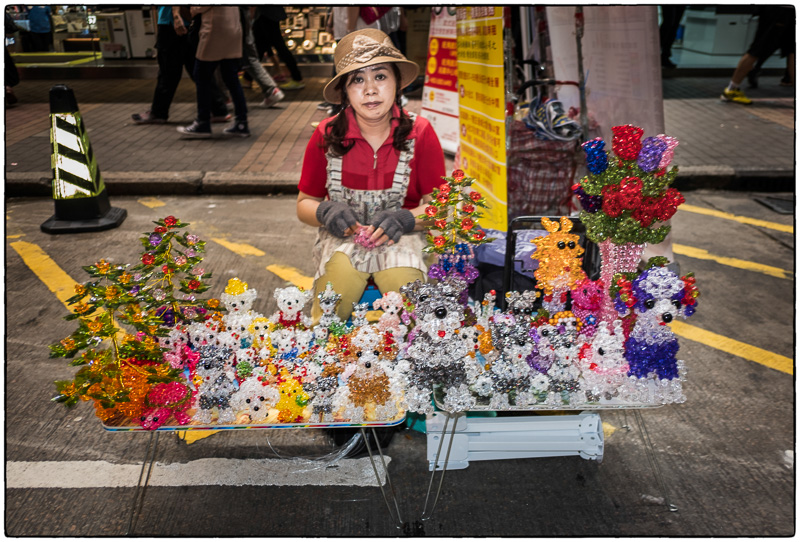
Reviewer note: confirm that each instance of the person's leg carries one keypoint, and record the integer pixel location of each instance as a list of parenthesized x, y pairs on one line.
[(391, 280), (204, 79), (170, 70), (254, 68), (746, 63), (229, 71), (346, 281), (275, 39)]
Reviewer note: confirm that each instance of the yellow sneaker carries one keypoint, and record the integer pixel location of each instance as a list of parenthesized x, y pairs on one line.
[(736, 96), (292, 85)]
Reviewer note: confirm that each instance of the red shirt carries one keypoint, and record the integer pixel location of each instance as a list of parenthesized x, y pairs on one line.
[(360, 169)]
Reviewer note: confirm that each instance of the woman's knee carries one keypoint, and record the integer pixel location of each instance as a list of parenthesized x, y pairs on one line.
[(393, 279)]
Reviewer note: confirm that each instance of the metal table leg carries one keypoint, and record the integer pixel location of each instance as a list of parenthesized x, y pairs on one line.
[(651, 457), (448, 416), (396, 519), (149, 459)]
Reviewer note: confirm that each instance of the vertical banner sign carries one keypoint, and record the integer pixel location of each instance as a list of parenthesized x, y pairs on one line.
[(440, 95), (481, 89)]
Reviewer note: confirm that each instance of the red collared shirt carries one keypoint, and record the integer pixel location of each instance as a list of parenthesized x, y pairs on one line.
[(362, 171)]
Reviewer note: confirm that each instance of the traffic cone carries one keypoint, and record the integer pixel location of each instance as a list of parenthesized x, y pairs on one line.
[(79, 193)]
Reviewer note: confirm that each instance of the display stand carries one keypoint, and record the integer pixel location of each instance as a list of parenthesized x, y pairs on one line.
[(523, 437), (152, 444)]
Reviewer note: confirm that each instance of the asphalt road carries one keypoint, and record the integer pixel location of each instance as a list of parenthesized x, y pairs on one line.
[(726, 454)]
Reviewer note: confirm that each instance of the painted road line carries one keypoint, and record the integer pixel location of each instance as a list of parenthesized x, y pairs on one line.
[(293, 275), (702, 254), (242, 249), (200, 472), (734, 347), (788, 228), (48, 271), (151, 202)]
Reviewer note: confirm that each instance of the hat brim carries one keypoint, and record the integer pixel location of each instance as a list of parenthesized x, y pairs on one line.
[(408, 74)]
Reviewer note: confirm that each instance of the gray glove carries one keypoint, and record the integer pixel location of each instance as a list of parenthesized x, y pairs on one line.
[(336, 216), (394, 223)]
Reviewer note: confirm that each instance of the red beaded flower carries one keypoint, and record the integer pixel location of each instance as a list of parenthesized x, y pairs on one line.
[(627, 141)]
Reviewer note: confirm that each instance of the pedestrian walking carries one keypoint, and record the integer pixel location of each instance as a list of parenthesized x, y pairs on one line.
[(252, 63), (775, 31), (175, 52), (367, 173), (268, 34), (220, 45)]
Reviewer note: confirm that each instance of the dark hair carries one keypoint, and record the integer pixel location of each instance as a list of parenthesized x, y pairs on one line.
[(337, 128)]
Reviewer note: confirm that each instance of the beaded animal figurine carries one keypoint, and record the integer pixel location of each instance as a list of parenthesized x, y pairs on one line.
[(559, 268)]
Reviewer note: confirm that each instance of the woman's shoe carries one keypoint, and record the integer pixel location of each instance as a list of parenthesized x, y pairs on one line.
[(196, 130)]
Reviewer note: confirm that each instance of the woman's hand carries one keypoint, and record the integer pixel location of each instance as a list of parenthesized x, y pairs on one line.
[(338, 218), (389, 226)]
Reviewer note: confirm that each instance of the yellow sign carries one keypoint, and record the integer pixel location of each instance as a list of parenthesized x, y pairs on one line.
[(482, 106)]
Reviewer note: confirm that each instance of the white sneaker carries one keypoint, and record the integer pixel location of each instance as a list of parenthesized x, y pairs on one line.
[(276, 96), (403, 101)]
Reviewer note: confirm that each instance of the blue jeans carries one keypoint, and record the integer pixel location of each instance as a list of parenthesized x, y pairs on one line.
[(204, 79)]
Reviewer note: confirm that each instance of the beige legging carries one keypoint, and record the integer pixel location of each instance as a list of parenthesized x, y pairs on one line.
[(350, 283)]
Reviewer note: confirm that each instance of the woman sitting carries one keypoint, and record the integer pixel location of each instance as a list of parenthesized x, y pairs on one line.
[(367, 173)]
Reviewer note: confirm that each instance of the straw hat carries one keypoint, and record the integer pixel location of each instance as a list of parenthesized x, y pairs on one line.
[(364, 48)]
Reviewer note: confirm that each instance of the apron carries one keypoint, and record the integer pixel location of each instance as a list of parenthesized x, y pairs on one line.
[(407, 252)]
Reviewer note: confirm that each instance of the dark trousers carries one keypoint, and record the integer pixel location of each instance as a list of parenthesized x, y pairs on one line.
[(174, 54), (671, 20), (268, 34), (204, 79)]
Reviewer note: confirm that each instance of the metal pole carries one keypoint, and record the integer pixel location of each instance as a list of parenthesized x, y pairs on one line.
[(581, 78)]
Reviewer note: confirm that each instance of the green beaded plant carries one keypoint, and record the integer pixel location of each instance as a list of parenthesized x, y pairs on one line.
[(143, 297)]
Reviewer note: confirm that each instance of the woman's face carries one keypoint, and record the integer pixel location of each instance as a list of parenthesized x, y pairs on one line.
[(371, 92)]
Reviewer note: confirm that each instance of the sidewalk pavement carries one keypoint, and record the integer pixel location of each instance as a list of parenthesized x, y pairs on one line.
[(722, 145)]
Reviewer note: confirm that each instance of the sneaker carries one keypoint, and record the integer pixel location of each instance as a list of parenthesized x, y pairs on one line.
[(196, 130), (334, 110), (221, 118), (292, 85), (324, 106), (403, 101), (237, 129), (146, 118), (276, 96), (736, 96)]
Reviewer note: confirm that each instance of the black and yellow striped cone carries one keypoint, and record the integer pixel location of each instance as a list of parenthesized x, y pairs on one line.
[(79, 193)]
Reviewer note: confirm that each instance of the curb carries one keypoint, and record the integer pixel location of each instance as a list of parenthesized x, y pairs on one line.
[(152, 183), (133, 183)]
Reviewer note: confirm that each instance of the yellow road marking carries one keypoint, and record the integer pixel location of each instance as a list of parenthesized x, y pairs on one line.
[(16, 236), (242, 249), (702, 254), (737, 348), (292, 275), (788, 228), (151, 202), (190, 436), (48, 271)]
